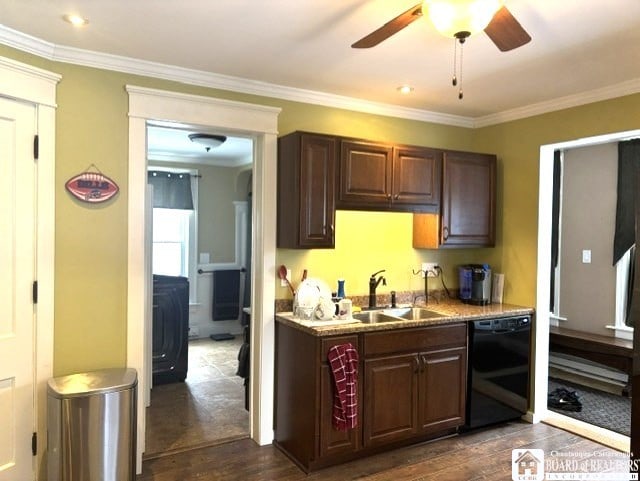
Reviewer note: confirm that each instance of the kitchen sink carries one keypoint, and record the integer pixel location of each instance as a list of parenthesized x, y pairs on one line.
[(374, 317), (412, 313), (395, 315)]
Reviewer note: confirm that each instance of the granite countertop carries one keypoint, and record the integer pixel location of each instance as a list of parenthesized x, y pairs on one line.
[(451, 311)]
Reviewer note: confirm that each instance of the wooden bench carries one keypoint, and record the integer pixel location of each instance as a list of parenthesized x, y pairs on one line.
[(609, 351)]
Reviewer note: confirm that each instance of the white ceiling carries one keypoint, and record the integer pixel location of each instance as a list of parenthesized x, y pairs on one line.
[(585, 47), (168, 142)]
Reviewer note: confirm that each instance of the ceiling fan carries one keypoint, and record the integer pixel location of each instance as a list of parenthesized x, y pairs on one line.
[(501, 26), (458, 19)]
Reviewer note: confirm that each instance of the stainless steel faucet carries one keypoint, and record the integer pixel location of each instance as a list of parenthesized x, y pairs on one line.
[(373, 284)]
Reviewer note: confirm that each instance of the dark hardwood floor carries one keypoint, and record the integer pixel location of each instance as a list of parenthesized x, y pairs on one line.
[(479, 455)]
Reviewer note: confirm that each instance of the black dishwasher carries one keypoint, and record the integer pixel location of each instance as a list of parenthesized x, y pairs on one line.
[(498, 370)]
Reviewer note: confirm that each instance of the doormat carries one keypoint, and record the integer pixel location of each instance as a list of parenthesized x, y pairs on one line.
[(225, 336)]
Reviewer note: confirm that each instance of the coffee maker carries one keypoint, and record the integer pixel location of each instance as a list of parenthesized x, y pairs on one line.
[(475, 284)]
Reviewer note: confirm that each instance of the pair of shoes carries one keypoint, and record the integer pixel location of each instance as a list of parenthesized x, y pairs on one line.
[(564, 399)]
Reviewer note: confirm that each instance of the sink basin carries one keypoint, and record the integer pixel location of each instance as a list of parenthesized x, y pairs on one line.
[(412, 313), (395, 315), (374, 317)]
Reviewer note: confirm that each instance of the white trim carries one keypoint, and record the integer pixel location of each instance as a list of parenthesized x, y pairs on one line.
[(621, 89), (26, 83), (76, 56), (540, 365), (259, 123), (595, 433)]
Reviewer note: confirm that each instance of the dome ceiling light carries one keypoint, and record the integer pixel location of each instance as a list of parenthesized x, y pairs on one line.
[(209, 141)]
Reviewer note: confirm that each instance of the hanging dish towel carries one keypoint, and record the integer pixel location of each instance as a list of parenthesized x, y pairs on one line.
[(343, 359)]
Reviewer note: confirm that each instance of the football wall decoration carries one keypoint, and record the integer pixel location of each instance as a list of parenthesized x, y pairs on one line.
[(92, 187)]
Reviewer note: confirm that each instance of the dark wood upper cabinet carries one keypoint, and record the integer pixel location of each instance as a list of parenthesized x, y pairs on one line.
[(416, 177), (365, 174), (306, 190), (467, 216), (379, 176)]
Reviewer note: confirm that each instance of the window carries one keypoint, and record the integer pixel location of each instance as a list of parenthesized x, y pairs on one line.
[(174, 243), (623, 273), (171, 242)]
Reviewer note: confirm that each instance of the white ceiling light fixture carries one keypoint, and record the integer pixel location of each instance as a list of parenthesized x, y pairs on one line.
[(75, 20), (454, 17), (209, 141), (405, 89), (460, 19)]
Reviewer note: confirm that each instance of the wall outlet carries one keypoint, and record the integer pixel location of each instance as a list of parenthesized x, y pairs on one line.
[(430, 269)]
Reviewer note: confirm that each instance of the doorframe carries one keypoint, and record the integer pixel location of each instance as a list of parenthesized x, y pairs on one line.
[(545, 201), (25, 83), (259, 122)]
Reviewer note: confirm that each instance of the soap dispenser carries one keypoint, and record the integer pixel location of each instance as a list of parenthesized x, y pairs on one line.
[(341, 294)]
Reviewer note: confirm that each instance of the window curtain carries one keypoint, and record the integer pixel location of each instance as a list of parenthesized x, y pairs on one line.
[(171, 190), (625, 233), (555, 225)]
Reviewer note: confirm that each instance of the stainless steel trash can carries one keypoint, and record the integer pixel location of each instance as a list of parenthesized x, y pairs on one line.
[(92, 426)]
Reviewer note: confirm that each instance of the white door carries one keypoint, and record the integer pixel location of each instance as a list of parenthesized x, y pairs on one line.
[(17, 271)]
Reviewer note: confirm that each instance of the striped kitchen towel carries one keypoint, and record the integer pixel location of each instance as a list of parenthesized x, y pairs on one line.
[(343, 359)]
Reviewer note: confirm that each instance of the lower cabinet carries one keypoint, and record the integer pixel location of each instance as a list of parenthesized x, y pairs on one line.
[(411, 387), (417, 393), (390, 399)]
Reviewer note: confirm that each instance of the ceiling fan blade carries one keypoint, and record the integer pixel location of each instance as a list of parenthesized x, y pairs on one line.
[(505, 31), (390, 28)]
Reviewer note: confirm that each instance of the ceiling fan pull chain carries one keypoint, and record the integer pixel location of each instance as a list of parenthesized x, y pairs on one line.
[(454, 79), (460, 93)]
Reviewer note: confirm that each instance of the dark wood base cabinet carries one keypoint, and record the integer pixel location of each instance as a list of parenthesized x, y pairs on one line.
[(411, 387)]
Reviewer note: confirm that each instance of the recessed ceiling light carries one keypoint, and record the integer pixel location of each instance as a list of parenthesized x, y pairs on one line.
[(405, 89), (75, 20)]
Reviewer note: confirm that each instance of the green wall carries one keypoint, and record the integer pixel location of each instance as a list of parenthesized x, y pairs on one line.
[(517, 145), (91, 241)]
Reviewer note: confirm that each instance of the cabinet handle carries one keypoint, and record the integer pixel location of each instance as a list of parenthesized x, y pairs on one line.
[(397, 196), (416, 370), (389, 196), (424, 363), (445, 233)]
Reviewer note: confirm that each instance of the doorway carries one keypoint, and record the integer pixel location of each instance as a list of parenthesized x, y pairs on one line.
[(545, 222), (200, 232), (260, 123)]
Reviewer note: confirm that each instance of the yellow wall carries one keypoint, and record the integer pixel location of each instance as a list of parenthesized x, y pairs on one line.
[(517, 145), (91, 241)]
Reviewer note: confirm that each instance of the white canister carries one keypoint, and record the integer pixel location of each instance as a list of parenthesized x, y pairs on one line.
[(344, 309)]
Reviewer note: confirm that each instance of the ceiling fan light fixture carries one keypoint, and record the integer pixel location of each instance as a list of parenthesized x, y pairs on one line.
[(450, 17), (75, 20), (209, 141), (405, 89)]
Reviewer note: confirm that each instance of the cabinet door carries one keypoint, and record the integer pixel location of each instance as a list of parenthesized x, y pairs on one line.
[(306, 190), (333, 441), (317, 191), (390, 399), (468, 199), (365, 174), (442, 389), (416, 178)]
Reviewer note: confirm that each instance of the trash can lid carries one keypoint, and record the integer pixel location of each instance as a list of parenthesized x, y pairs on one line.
[(94, 382)]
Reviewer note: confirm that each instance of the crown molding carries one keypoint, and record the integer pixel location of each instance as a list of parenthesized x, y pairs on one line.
[(87, 58), (621, 89)]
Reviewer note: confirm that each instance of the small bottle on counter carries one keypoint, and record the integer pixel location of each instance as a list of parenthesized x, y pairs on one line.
[(341, 294)]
